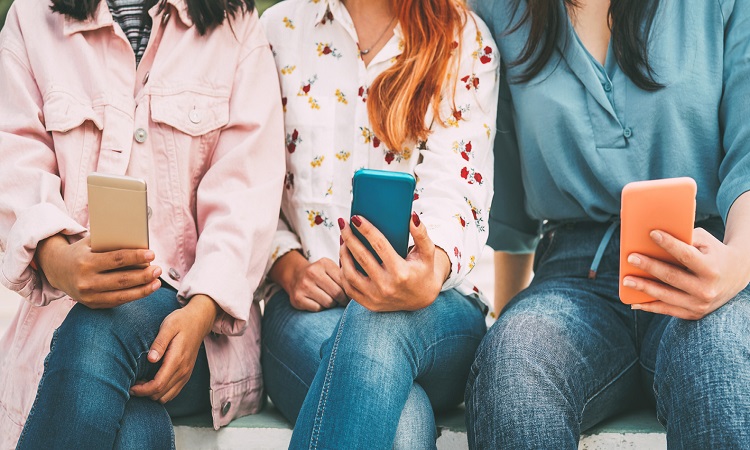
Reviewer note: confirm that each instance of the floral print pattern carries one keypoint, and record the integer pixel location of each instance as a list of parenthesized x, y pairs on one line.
[(328, 134)]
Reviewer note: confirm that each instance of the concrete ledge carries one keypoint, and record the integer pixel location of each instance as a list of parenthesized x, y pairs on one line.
[(269, 430)]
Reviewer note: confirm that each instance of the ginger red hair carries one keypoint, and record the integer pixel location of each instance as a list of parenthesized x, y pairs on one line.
[(400, 97)]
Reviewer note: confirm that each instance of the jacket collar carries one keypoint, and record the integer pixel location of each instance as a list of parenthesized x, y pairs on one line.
[(103, 17)]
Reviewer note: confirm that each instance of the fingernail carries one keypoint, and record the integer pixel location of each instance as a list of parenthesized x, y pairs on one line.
[(627, 282), (634, 260), (356, 221), (149, 255), (153, 355), (415, 219), (637, 307), (341, 240), (656, 236), (155, 285), (157, 272), (342, 223)]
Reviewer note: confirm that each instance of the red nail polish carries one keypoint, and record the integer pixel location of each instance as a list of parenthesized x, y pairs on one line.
[(415, 219), (342, 223), (341, 240), (356, 221)]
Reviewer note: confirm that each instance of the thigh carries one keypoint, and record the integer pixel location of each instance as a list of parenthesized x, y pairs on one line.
[(566, 338), (291, 350), (449, 332), (701, 367)]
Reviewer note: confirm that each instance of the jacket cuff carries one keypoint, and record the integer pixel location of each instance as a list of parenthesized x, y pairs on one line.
[(32, 226)]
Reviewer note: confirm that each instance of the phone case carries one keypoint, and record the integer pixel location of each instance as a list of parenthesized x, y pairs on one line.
[(385, 199), (667, 205), (118, 212)]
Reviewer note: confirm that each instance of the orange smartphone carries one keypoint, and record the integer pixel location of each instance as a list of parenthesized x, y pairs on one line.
[(667, 205)]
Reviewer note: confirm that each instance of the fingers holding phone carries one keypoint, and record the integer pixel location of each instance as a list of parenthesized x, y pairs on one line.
[(399, 284), (92, 278)]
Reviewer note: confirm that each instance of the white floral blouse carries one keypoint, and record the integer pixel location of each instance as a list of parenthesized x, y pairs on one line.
[(324, 85)]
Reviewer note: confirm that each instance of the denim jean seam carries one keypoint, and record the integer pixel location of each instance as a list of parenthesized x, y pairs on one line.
[(286, 367), (317, 424), (41, 381), (604, 388), (135, 372)]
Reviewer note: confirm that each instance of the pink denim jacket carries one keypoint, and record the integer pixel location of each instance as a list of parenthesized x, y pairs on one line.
[(200, 120)]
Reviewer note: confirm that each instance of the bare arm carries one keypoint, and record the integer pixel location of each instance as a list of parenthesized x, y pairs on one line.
[(512, 275)]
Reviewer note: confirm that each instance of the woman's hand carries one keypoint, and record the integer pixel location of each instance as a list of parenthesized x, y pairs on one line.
[(398, 284), (311, 286), (177, 346), (96, 279), (713, 274)]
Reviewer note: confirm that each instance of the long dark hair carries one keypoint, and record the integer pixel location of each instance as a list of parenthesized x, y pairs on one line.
[(206, 14), (630, 23)]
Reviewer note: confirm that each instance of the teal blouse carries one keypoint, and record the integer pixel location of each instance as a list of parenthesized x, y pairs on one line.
[(571, 138)]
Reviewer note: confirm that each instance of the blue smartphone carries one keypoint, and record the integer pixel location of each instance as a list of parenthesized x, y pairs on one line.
[(385, 199)]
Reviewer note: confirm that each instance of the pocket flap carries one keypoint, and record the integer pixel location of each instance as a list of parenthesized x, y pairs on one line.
[(62, 113), (192, 113)]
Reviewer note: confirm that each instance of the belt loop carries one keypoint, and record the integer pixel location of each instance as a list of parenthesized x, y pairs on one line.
[(602, 247)]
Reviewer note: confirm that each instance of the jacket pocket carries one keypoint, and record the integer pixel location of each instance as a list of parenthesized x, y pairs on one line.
[(191, 113), (75, 127)]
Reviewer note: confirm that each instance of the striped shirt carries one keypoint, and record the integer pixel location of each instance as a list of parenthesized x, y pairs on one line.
[(135, 22)]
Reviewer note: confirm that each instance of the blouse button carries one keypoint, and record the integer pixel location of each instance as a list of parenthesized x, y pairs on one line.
[(607, 86), (174, 274), (627, 132), (140, 135), (165, 18)]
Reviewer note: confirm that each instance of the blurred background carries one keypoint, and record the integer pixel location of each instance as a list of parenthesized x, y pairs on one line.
[(5, 4)]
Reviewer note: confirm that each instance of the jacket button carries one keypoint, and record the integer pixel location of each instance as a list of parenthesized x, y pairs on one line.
[(165, 18), (225, 408), (145, 78), (140, 135), (195, 116), (627, 132), (173, 274)]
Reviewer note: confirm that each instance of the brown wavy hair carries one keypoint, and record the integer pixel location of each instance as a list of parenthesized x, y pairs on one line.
[(400, 97)]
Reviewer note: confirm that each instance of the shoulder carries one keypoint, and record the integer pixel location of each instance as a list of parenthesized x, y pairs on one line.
[(284, 15), (29, 19), (477, 45)]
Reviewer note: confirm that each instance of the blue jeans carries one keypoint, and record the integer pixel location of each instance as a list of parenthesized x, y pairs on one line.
[(567, 354), (352, 378), (95, 357)]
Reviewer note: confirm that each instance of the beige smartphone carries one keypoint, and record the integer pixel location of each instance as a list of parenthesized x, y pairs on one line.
[(118, 212)]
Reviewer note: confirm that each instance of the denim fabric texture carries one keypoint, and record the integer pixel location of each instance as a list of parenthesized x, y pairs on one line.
[(566, 354), (95, 357), (352, 378)]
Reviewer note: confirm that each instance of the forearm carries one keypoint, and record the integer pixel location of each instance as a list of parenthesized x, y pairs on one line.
[(512, 275), (737, 235)]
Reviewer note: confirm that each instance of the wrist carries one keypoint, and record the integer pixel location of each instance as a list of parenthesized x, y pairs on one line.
[(206, 308), (48, 254), (286, 269), (443, 265)]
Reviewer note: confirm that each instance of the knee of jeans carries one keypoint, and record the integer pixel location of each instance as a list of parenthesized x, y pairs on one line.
[(416, 427), (384, 338), (524, 351)]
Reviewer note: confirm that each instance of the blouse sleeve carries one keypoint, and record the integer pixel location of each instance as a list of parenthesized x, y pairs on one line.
[(455, 174)]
